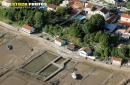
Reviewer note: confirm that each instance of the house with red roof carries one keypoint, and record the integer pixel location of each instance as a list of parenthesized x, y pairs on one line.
[(78, 5), (28, 29), (85, 51), (66, 3), (125, 20), (125, 33), (117, 61), (59, 41), (52, 7), (91, 9)]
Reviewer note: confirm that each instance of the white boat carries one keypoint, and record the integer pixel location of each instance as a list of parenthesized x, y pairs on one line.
[(73, 75)]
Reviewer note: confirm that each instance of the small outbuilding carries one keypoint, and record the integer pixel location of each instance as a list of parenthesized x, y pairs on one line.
[(85, 51), (117, 61), (28, 29), (71, 47), (59, 41)]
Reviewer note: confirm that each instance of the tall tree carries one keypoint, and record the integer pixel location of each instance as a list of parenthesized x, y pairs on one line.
[(128, 5), (97, 21)]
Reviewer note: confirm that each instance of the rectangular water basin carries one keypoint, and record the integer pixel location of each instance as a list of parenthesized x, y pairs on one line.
[(39, 62), (49, 70)]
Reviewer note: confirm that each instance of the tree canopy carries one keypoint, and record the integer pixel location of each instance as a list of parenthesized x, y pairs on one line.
[(128, 5), (112, 8)]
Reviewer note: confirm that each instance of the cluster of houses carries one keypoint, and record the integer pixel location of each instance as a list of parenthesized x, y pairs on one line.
[(85, 51), (91, 9)]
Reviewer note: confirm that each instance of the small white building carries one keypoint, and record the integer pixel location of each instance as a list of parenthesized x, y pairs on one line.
[(85, 52), (102, 11), (52, 7), (59, 41), (28, 29), (117, 61), (91, 9), (66, 3)]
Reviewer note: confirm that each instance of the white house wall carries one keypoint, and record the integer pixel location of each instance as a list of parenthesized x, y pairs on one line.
[(116, 62), (50, 9), (25, 30), (125, 19), (57, 42), (82, 53)]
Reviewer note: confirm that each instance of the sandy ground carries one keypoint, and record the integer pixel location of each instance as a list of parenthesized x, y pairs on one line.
[(22, 43)]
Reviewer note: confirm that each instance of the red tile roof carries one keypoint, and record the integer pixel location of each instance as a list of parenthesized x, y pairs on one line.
[(86, 49), (27, 27), (74, 1), (71, 46), (124, 23), (78, 4), (117, 59), (89, 5), (125, 15), (58, 39), (52, 6)]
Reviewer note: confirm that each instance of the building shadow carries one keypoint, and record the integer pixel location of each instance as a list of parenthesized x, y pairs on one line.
[(79, 76)]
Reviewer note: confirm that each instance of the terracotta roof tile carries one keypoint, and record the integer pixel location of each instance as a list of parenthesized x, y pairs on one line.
[(86, 49), (125, 15), (27, 27), (78, 4), (58, 39), (74, 1), (71, 46), (124, 23), (89, 5), (117, 59), (52, 6)]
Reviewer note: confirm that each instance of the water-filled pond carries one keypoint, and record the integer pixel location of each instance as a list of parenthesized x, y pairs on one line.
[(49, 70), (39, 62)]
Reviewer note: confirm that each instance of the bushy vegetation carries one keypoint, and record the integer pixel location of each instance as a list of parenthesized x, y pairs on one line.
[(82, 33), (89, 33), (35, 17), (57, 2)]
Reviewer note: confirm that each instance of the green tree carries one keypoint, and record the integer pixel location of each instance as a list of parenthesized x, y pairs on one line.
[(104, 40), (38, 17), (128, 5), (112, 8), (57, 2), (127, 11), (97, 21)]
